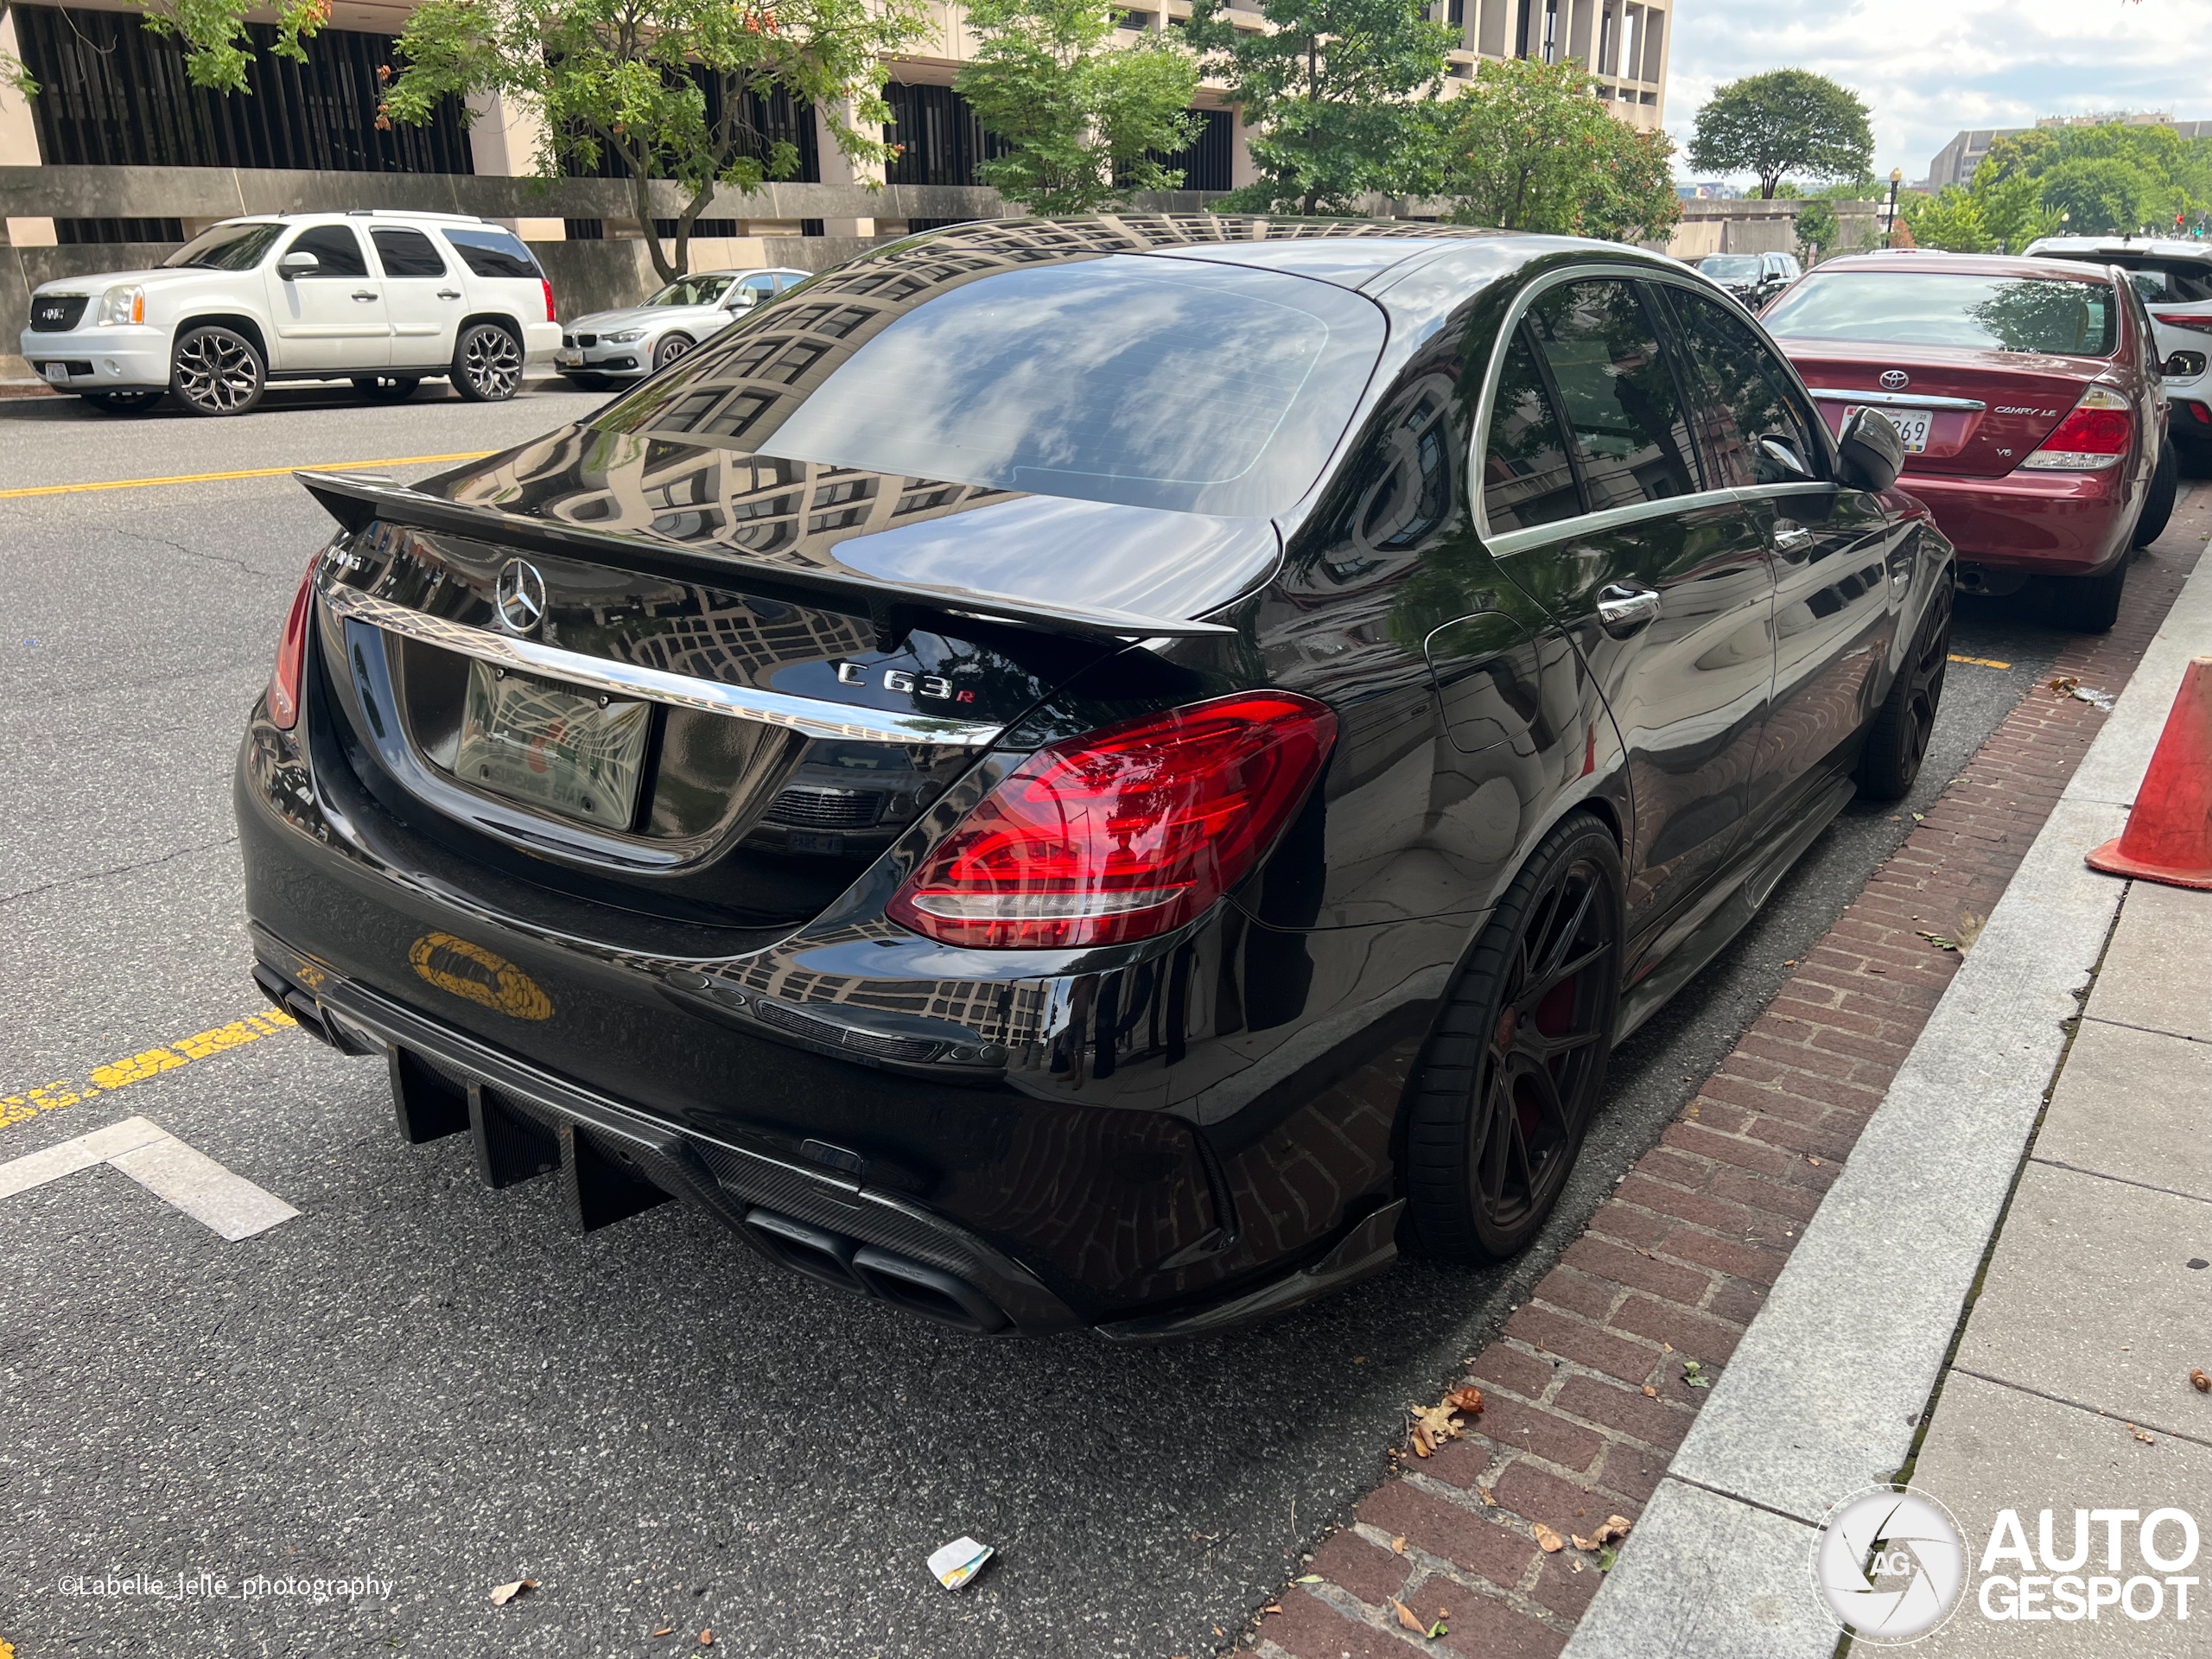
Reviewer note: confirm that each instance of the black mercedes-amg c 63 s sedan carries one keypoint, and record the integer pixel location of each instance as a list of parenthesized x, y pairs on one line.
[(1090, 773)]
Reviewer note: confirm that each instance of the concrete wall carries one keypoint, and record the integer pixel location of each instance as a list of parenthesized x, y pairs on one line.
[(1755, 226)]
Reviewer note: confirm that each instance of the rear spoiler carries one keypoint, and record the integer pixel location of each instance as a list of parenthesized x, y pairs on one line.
[(358, 499)]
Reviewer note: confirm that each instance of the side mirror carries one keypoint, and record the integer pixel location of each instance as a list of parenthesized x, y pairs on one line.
[(1874, 451), (741, 298), (298, 263), (1780, 463)]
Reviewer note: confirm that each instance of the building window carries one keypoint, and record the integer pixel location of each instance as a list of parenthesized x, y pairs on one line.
[(78, 232), (584, 230), (810, 227), (113, 94), (775, 116), (1205, 162), (939, 137), (665, 228)]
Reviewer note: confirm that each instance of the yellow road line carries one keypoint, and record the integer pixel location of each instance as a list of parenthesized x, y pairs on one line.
[(256, 472), (1980, 662), (137, 1068)]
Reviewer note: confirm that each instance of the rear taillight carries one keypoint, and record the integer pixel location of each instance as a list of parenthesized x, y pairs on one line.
[(548, 286), (2093, 437), (1125, 833), (2198, 321), (292, 655)]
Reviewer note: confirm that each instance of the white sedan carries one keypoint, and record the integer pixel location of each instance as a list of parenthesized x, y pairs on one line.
[(625, 345)]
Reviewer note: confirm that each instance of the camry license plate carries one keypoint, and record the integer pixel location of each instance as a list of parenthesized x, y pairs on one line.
[(1912, 424), (531, 741)]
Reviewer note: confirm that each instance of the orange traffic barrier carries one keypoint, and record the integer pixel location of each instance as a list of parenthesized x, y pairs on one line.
[(2169, 834)]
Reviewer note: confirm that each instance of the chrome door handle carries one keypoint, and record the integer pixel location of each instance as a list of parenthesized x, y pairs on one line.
[(365, 294), (1622, 609), (448, 293), (1790, 538)]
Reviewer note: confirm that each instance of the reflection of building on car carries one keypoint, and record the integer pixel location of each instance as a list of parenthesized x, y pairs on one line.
[(847, 799), (623, 345), (1754, 278), (2027, 393), (2175, 279), (386, 300)]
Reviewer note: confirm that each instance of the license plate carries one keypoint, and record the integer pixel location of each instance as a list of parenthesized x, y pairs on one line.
[(801, 840), (1912, 424), (536, 741), (568, 359), (58, 371)]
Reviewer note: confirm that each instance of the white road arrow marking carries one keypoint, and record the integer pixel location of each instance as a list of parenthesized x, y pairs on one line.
[(165, 1166)]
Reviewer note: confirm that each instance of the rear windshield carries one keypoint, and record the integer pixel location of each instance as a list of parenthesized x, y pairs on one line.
[(1730, 267), (1161, 383), (227, 247), (493, 252), (1938, 308), (2186, 281)]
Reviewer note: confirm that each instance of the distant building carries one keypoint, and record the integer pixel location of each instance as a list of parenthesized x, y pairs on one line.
[(1955, 163), (1713, 191)]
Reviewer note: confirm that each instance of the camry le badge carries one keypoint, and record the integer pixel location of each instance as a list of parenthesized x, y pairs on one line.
[(1895, 379), (520, 596)]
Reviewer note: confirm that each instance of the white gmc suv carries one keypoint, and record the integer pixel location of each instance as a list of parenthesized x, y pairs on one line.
[(386, 300)]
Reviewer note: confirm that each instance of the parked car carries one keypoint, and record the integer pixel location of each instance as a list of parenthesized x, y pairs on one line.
[(1754, 278), (1338, 679), (2175, 279), (628, 344), (386, 300), (2028, 396)]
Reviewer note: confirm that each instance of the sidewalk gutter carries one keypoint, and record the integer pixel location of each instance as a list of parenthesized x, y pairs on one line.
[(1823, 1393)]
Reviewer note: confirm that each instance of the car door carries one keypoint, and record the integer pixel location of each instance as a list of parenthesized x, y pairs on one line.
[(749, 291), (1662, 582), (333, 316), (422, 298), (1840, 577)]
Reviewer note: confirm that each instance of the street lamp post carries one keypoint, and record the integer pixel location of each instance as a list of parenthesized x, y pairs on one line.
[(1889, 232)]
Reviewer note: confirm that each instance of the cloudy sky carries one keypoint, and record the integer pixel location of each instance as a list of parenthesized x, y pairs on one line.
[(1928, 67)]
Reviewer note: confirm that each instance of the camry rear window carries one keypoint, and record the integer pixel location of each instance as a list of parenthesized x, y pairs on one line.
[(1940, 307), (227, 247), (1151, 382)]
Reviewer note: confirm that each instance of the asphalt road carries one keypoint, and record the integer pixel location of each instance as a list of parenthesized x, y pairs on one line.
[(421, 1381)]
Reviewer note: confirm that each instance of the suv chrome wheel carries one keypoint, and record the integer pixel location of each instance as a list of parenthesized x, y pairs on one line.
[(487, 365), (216, 370)]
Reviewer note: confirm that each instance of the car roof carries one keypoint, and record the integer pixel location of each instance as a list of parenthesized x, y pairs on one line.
[(1978, 264), (2162, 247)]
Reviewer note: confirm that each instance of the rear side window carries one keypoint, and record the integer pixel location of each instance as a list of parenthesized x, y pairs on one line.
[(407, 253), (1526, 477), (2174, 281), (489, 252), (1745, 394), (336, 249), (1622, 410), (2047, 314)]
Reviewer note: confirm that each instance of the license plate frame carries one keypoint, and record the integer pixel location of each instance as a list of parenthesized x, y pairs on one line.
[(1913, 425), (552, 747)]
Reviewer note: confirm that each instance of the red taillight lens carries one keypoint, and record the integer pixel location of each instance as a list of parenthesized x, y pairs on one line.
[(1125, 833), (2093, 437), (545, 284), (2197, 321), (292, 654)]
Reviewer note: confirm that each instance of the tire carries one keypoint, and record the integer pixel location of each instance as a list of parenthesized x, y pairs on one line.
[(669, 349), (1511, 1076), (2085, 604), (217, 371), (2158, 499), (1897, 738), (486, 364), (386, 388), (123, 403)]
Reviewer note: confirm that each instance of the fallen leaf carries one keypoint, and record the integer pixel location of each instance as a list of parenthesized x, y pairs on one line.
[(1547, 1541), (1938, 939), (1398, 1544), (1580, 1542), (1272, 1607), (1487, 1496), (2201, 1382), (2063, 685), (1606, 1557), (502, 1594), (1421, 1446), (706, 1638), (1616, 1529), (1651, 1393), (1436, 1630), (1307, 1578), (1466, 1399), (1814, 1162), (665, 1629), (1407, 1619), (1440, 1422)]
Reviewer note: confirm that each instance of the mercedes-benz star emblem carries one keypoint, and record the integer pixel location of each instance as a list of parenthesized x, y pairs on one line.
[(1895, 379), (520, 596)]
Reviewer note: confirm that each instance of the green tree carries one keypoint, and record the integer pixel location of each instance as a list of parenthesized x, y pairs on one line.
[(1817, 226), (217, 48), (1530, 146), (633, 77), (1078, 113), (2103, 194), (1784, 121), (1951, 221), (1340, 96)]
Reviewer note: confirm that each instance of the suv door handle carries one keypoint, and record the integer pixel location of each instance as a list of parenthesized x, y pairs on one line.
[(448, 293), (1622, 609), (1790, 538), (364, 292)]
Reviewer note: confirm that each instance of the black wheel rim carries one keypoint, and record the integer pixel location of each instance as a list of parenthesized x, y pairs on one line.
[(1543, 1054), (217, 372), (492, 362), (1931, 656)]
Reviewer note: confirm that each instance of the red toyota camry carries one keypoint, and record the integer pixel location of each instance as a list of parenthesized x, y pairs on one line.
[(2027, 394)]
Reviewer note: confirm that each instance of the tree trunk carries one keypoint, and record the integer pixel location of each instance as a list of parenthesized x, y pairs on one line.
[(641, 197)]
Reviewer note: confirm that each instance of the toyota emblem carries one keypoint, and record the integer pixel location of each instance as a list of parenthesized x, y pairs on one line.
[(520, 596), (1895, 379)]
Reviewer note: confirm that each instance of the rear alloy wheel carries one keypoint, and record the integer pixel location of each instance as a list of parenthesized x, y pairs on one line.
[(386, 388), (487, 365), (1896, 739), (1511, 1077), (217, 371), (2158, 499), (669, 349), (125, 403)]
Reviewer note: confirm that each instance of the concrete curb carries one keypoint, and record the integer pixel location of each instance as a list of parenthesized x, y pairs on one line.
[(1823, 1394)]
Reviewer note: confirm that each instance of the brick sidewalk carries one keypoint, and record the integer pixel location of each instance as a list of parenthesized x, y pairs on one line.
[(1586, 1390)]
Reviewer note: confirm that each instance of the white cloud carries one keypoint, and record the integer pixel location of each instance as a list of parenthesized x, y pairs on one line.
[(1927, 68)]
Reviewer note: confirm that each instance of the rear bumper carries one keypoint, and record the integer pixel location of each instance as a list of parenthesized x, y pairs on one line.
[(2044, 524)]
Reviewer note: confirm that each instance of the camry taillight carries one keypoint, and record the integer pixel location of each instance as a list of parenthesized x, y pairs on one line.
[(2093, 437), (292, 654), (543, 283), (1124, 833), (2198, 321)]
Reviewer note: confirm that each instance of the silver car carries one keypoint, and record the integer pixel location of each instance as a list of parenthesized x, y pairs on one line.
[(623, 345)]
